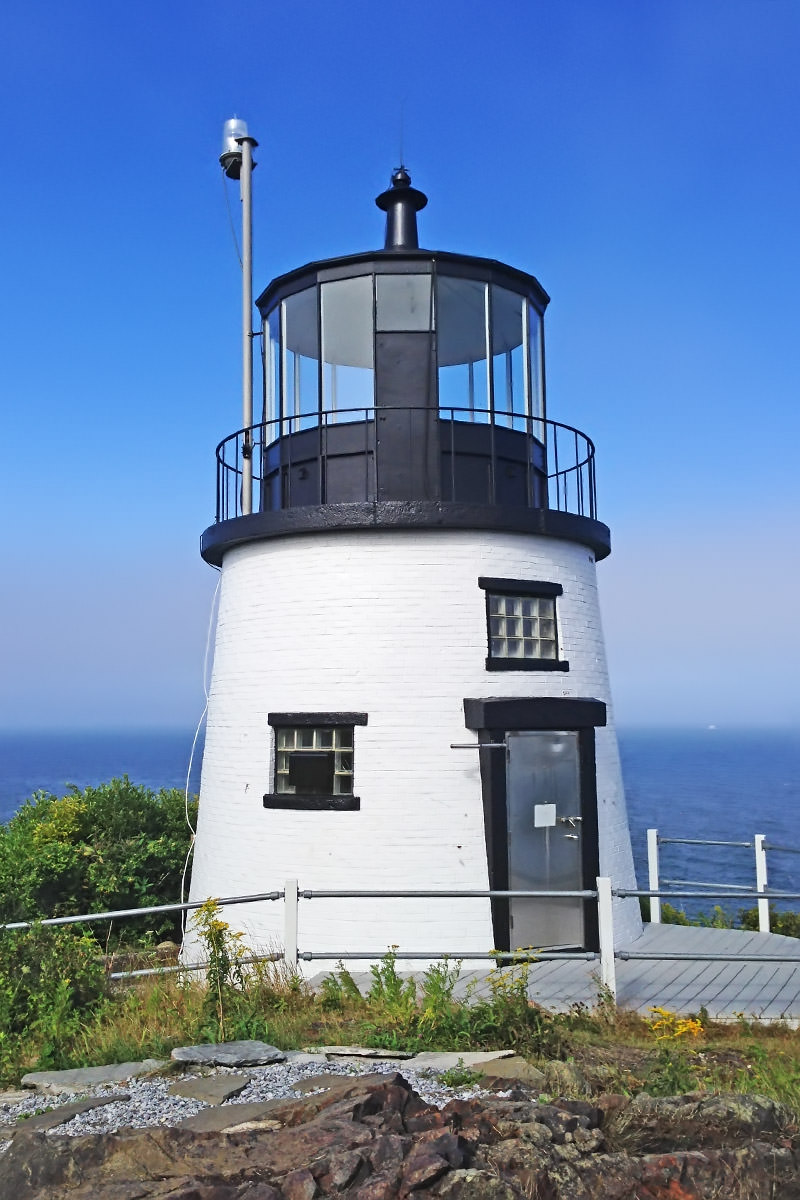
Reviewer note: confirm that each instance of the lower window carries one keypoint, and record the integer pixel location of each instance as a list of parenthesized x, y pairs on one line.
[(314, 760)]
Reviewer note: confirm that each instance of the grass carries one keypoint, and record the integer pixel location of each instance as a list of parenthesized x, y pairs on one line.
[(59, 1012), (615, 1050)]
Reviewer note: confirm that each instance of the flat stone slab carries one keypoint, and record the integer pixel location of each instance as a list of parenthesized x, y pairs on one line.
[(211, 1089), (10, 1097), (445, 1060), (229, 1054), (65, 1112), (81, 1079), (305, 1058), (325, 1082), (214, 1120), (358, 1052)]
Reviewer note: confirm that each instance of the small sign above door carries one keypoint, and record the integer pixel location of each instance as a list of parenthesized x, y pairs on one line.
[(544, 815)]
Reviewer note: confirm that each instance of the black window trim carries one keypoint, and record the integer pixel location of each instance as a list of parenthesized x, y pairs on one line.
[(535, 588), (307, 802)]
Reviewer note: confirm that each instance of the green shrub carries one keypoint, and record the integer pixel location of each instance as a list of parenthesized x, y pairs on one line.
[(118, 845), (50, 981), (787, 923)]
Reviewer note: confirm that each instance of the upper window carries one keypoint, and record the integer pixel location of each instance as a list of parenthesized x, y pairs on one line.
[(314, 760), (522, 628)]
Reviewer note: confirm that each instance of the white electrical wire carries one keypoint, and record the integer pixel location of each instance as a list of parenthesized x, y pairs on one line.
[(206, 656)]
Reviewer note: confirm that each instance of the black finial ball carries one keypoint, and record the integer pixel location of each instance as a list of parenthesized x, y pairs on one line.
[(401, 178)]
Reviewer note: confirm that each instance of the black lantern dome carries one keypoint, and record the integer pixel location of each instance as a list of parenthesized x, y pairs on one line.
[(404, 387)]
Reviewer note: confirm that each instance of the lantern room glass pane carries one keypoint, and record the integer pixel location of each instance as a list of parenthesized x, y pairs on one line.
[(536, 343), (508, 358), (461, 322), (300, 361), (403, 303), (348, 376), (272, 374)]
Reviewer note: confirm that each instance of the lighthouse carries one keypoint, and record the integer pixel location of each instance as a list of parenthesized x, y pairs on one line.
[(409, 688)]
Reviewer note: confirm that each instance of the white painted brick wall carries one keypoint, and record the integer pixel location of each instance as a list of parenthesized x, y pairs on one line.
[(392, 624)]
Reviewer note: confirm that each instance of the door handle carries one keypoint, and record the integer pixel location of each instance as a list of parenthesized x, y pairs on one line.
[(571, 821), (573, 837)]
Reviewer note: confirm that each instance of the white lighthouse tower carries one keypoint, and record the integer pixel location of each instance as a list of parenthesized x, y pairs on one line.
[(410, 688)]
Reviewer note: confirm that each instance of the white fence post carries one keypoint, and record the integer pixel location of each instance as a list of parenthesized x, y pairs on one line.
[(652, 876), (290, 923), (761, 882), (605, 922)]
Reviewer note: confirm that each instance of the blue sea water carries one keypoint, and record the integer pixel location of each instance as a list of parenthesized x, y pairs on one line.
[(50, 762), (706, 783)]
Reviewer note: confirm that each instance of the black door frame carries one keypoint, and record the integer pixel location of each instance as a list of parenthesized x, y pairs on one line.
[(492, 719)]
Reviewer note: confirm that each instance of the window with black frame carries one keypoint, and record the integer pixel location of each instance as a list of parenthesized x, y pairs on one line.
[(313, 765), (522, 625)]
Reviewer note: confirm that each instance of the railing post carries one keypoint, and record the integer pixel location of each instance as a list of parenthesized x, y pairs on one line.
[(652, 876), (761, 882), (290, 923), (605, 923)]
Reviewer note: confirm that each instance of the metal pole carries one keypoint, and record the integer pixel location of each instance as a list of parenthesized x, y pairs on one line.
[(761, 882), (652, 875), (605, 922), (245, 178), (290, 924)]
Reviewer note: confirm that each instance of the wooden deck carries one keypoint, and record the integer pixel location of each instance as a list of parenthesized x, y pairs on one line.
[(669, 966), (681, 978)]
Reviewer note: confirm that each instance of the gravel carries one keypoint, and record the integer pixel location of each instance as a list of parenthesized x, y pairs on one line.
[(150, 1103)]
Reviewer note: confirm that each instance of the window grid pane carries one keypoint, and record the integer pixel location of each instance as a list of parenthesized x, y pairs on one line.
[(522, 627), (340, 740)]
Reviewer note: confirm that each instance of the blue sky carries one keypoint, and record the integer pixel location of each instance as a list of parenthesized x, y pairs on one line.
[(639, 158)]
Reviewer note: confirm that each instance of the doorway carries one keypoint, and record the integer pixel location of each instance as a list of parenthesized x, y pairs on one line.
[(539, 786), (544, 819)]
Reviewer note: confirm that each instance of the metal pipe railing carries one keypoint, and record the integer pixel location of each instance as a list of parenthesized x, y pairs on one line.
[(292, 894), (761, 891), (567, 458), (123, 914)]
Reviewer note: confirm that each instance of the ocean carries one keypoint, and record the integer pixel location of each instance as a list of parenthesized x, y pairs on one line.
[(705, 783)]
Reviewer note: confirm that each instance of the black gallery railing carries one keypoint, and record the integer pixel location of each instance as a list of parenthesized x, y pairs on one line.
[(408, 453)]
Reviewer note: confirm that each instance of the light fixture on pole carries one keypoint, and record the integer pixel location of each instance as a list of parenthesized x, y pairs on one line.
[(237, 162)]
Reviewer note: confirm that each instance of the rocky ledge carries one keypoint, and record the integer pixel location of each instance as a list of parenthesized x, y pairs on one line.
[(374, 1138)]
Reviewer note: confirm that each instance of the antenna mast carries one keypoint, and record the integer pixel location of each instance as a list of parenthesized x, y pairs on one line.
[(237, 162)]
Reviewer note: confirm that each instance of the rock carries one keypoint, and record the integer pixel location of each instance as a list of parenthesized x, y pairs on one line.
[(383, 1186), (345, 1170), (313, 1083), (81, 1079), (301, 1058), (357, 1052), (300, 1185), (168, 950), (435, 1060), (564, 1078), (374, 1138), (529, 1131), (229, 1054), (211, 1089), (756, 1172), (219, 1117), (65, 1112), (476, 1185), (694, 1121), (352, 1091), (421, 1170), (10, 1097), (510, 1069)]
